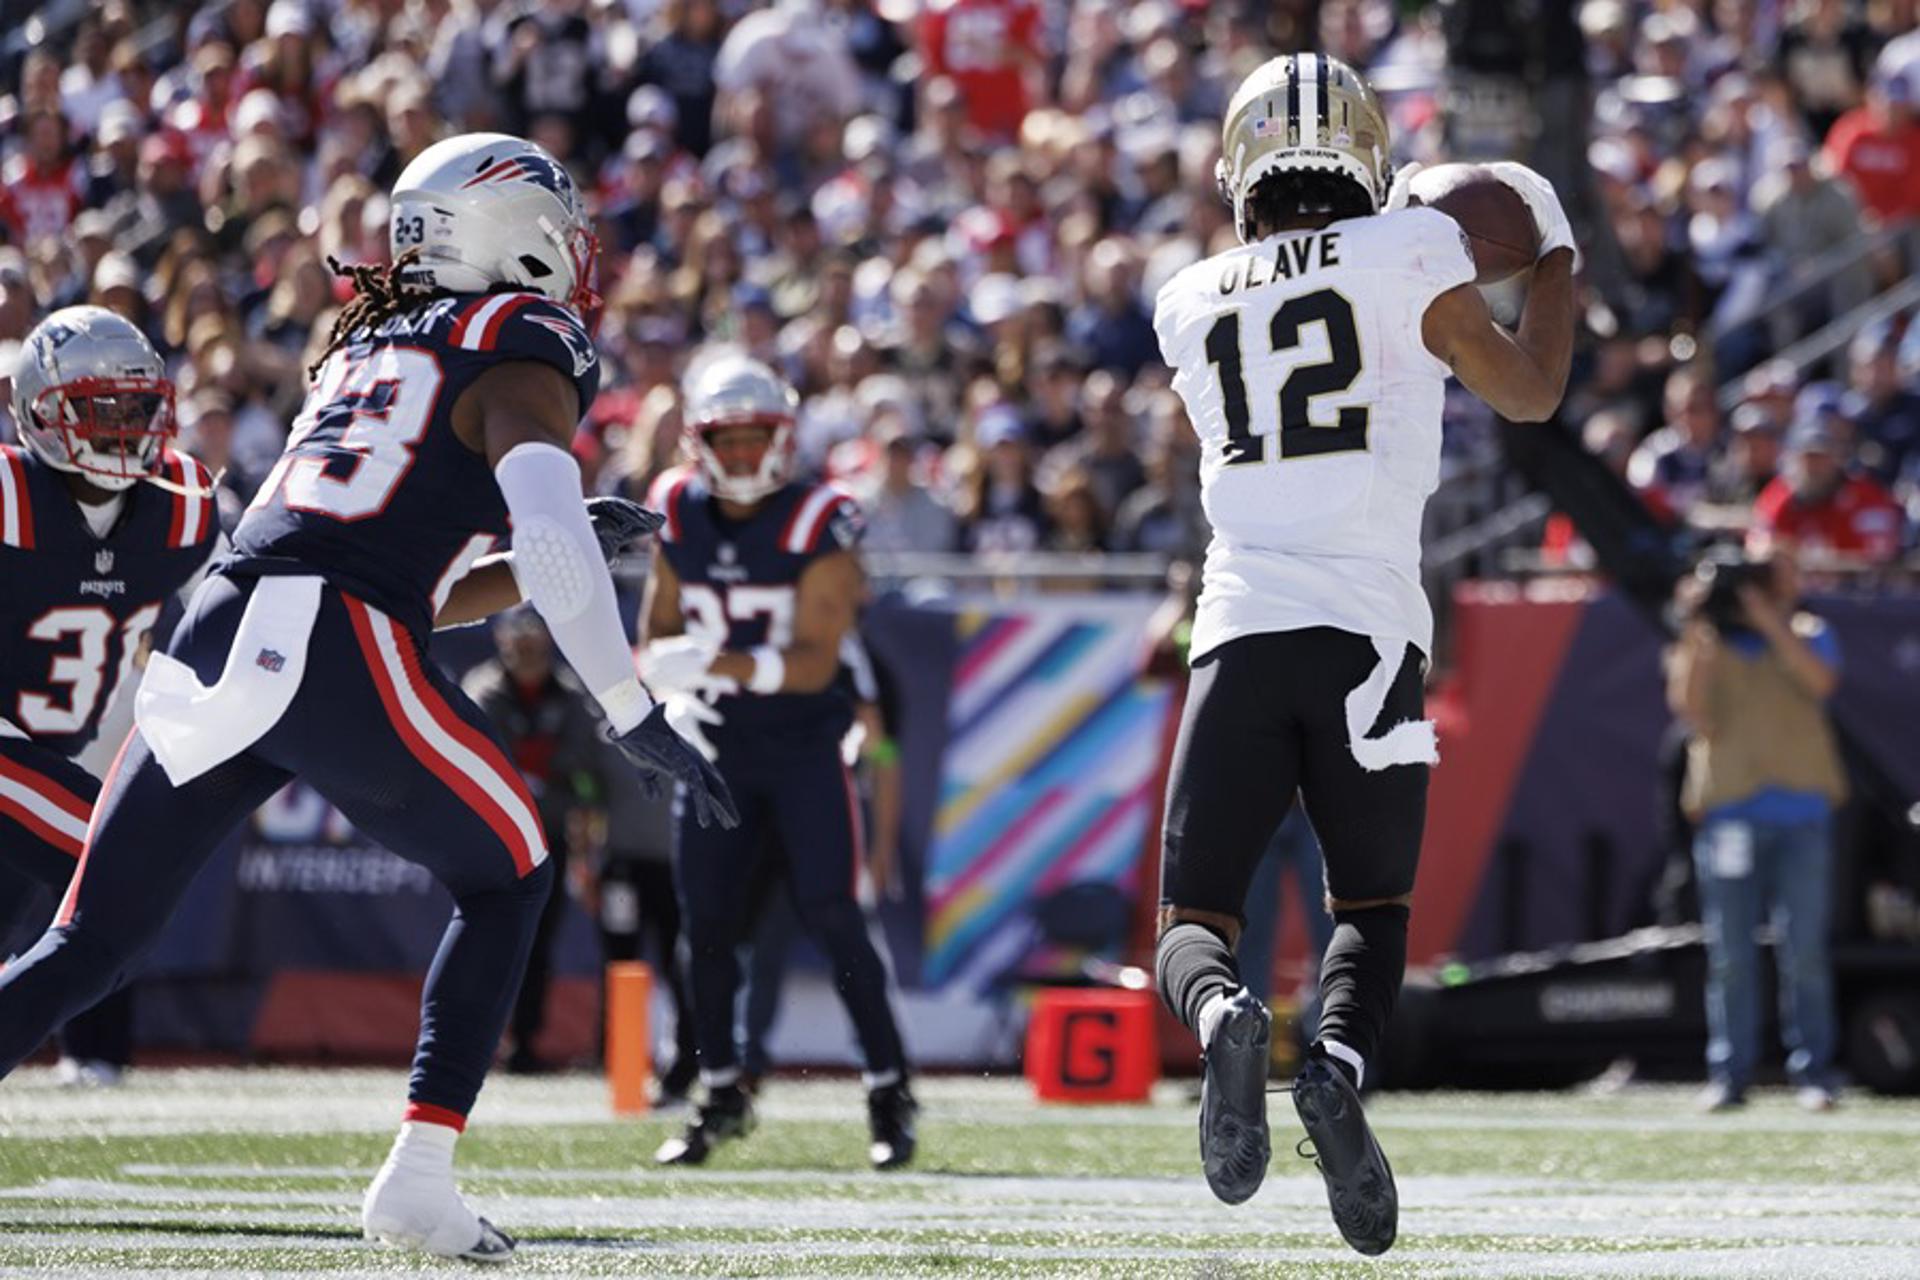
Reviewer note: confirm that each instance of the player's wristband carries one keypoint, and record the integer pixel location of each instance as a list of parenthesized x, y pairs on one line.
[(769, 670), (626, 704), (882, 751)]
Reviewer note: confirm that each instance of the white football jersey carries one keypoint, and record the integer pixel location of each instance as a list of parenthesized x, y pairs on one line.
[(1317, 405)]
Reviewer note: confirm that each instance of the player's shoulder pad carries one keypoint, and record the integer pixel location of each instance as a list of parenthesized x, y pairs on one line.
[(826, 518), (1433, 245), (16, 497), (528, 325), (668, 494)]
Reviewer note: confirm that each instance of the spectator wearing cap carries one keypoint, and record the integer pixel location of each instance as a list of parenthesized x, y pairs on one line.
[(1079, 523), (1677, 457), (1002, 510), (1112, 326), (797, 58), (44, 185), (90, 239), (281, 64), (206, 432), (1825, 53), (1107, 451), (162, 202), (545, 66), (116, 286), (1804, 214), (202, 116), (459, 65), (1884, 412), (1876, 146), (679, 63), (1053, 395), (1727, 252), (902, 514), (992, 50), (1752, 460), (114, 166), (925, 350), (88, 85), (1818, 506), (1661, 292)]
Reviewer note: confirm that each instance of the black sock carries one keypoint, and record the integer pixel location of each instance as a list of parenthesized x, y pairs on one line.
[(1193, 964), (1360, 979)]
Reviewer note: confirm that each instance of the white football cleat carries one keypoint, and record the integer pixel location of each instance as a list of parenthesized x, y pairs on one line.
[(414, 1210)]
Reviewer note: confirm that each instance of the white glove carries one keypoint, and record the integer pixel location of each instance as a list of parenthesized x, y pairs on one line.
[(677, 664), (1400, 187), (1542, 202), (691, 717)]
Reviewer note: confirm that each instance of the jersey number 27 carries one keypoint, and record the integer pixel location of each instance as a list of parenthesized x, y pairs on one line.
[(1300, 435)]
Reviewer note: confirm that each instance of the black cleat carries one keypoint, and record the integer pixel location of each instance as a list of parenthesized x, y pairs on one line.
[(891, 1111), (727, 1113), (1234, 1148), (1360, 1190)]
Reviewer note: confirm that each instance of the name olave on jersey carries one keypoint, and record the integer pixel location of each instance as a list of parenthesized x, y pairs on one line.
[(1291, 257)]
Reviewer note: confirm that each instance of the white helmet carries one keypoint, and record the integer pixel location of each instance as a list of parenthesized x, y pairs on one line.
[(1302, 112), (732, 390), (91, 397), (486, 209)]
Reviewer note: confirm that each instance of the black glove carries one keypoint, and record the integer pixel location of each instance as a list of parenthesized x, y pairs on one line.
[(655, 749), (618, 522)]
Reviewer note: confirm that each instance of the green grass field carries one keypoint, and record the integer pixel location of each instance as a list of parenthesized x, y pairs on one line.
[(218, 1171)]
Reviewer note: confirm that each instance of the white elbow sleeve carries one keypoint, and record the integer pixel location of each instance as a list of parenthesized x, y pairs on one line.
[(557, 562)]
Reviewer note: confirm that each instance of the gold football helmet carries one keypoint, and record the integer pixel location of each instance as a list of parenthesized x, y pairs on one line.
[(1302, 111)]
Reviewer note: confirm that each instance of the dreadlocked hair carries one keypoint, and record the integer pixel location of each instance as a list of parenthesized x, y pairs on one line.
[(379, 294), (1300, 193)]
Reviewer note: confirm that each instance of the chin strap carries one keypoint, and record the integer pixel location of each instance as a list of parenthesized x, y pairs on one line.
[(159, 481)]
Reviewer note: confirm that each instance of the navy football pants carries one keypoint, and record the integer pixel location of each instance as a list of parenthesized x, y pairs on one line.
[(45, 801), (805, 795), (398, 749)]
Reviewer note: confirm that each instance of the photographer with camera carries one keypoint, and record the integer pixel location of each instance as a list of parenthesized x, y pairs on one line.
[(1750, 677)]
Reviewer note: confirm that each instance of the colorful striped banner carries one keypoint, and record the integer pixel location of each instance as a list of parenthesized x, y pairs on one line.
[(1047, 780)]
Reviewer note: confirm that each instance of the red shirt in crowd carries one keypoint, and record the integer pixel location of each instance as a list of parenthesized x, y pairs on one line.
[(984, 46), (1883, 164), (40, 203), (1859, 518)]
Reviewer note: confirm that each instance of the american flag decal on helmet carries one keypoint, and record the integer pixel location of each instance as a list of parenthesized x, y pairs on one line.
[(1269, 127)]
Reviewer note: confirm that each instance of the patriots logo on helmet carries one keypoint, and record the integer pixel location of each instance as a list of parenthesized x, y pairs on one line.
[(579, 346), (525, 167)]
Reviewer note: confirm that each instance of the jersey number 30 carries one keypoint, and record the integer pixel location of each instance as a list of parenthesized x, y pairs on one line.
[(1300, 435)]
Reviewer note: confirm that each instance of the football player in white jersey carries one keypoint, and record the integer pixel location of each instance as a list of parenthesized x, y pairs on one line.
[(1312, 360)]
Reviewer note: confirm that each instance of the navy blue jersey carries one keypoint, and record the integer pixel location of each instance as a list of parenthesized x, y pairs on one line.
[(739, 579), (375, 492), (74, 607)]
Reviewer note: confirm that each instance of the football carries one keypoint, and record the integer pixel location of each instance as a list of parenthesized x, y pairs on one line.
[(1498, 224)]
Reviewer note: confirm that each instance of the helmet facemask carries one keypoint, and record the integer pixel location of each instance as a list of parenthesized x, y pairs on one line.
[(763, 480), (109, 430)]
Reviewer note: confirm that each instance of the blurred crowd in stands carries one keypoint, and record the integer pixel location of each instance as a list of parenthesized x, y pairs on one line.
[(947, 222)]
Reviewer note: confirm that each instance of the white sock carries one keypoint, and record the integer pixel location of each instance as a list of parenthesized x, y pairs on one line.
[(424, 1148), (879, 1079), (1359, 1064), (1212, 1011), (720, 1079)]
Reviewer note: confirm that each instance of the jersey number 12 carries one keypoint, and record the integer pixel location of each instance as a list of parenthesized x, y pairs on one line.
[(1300, 435)]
